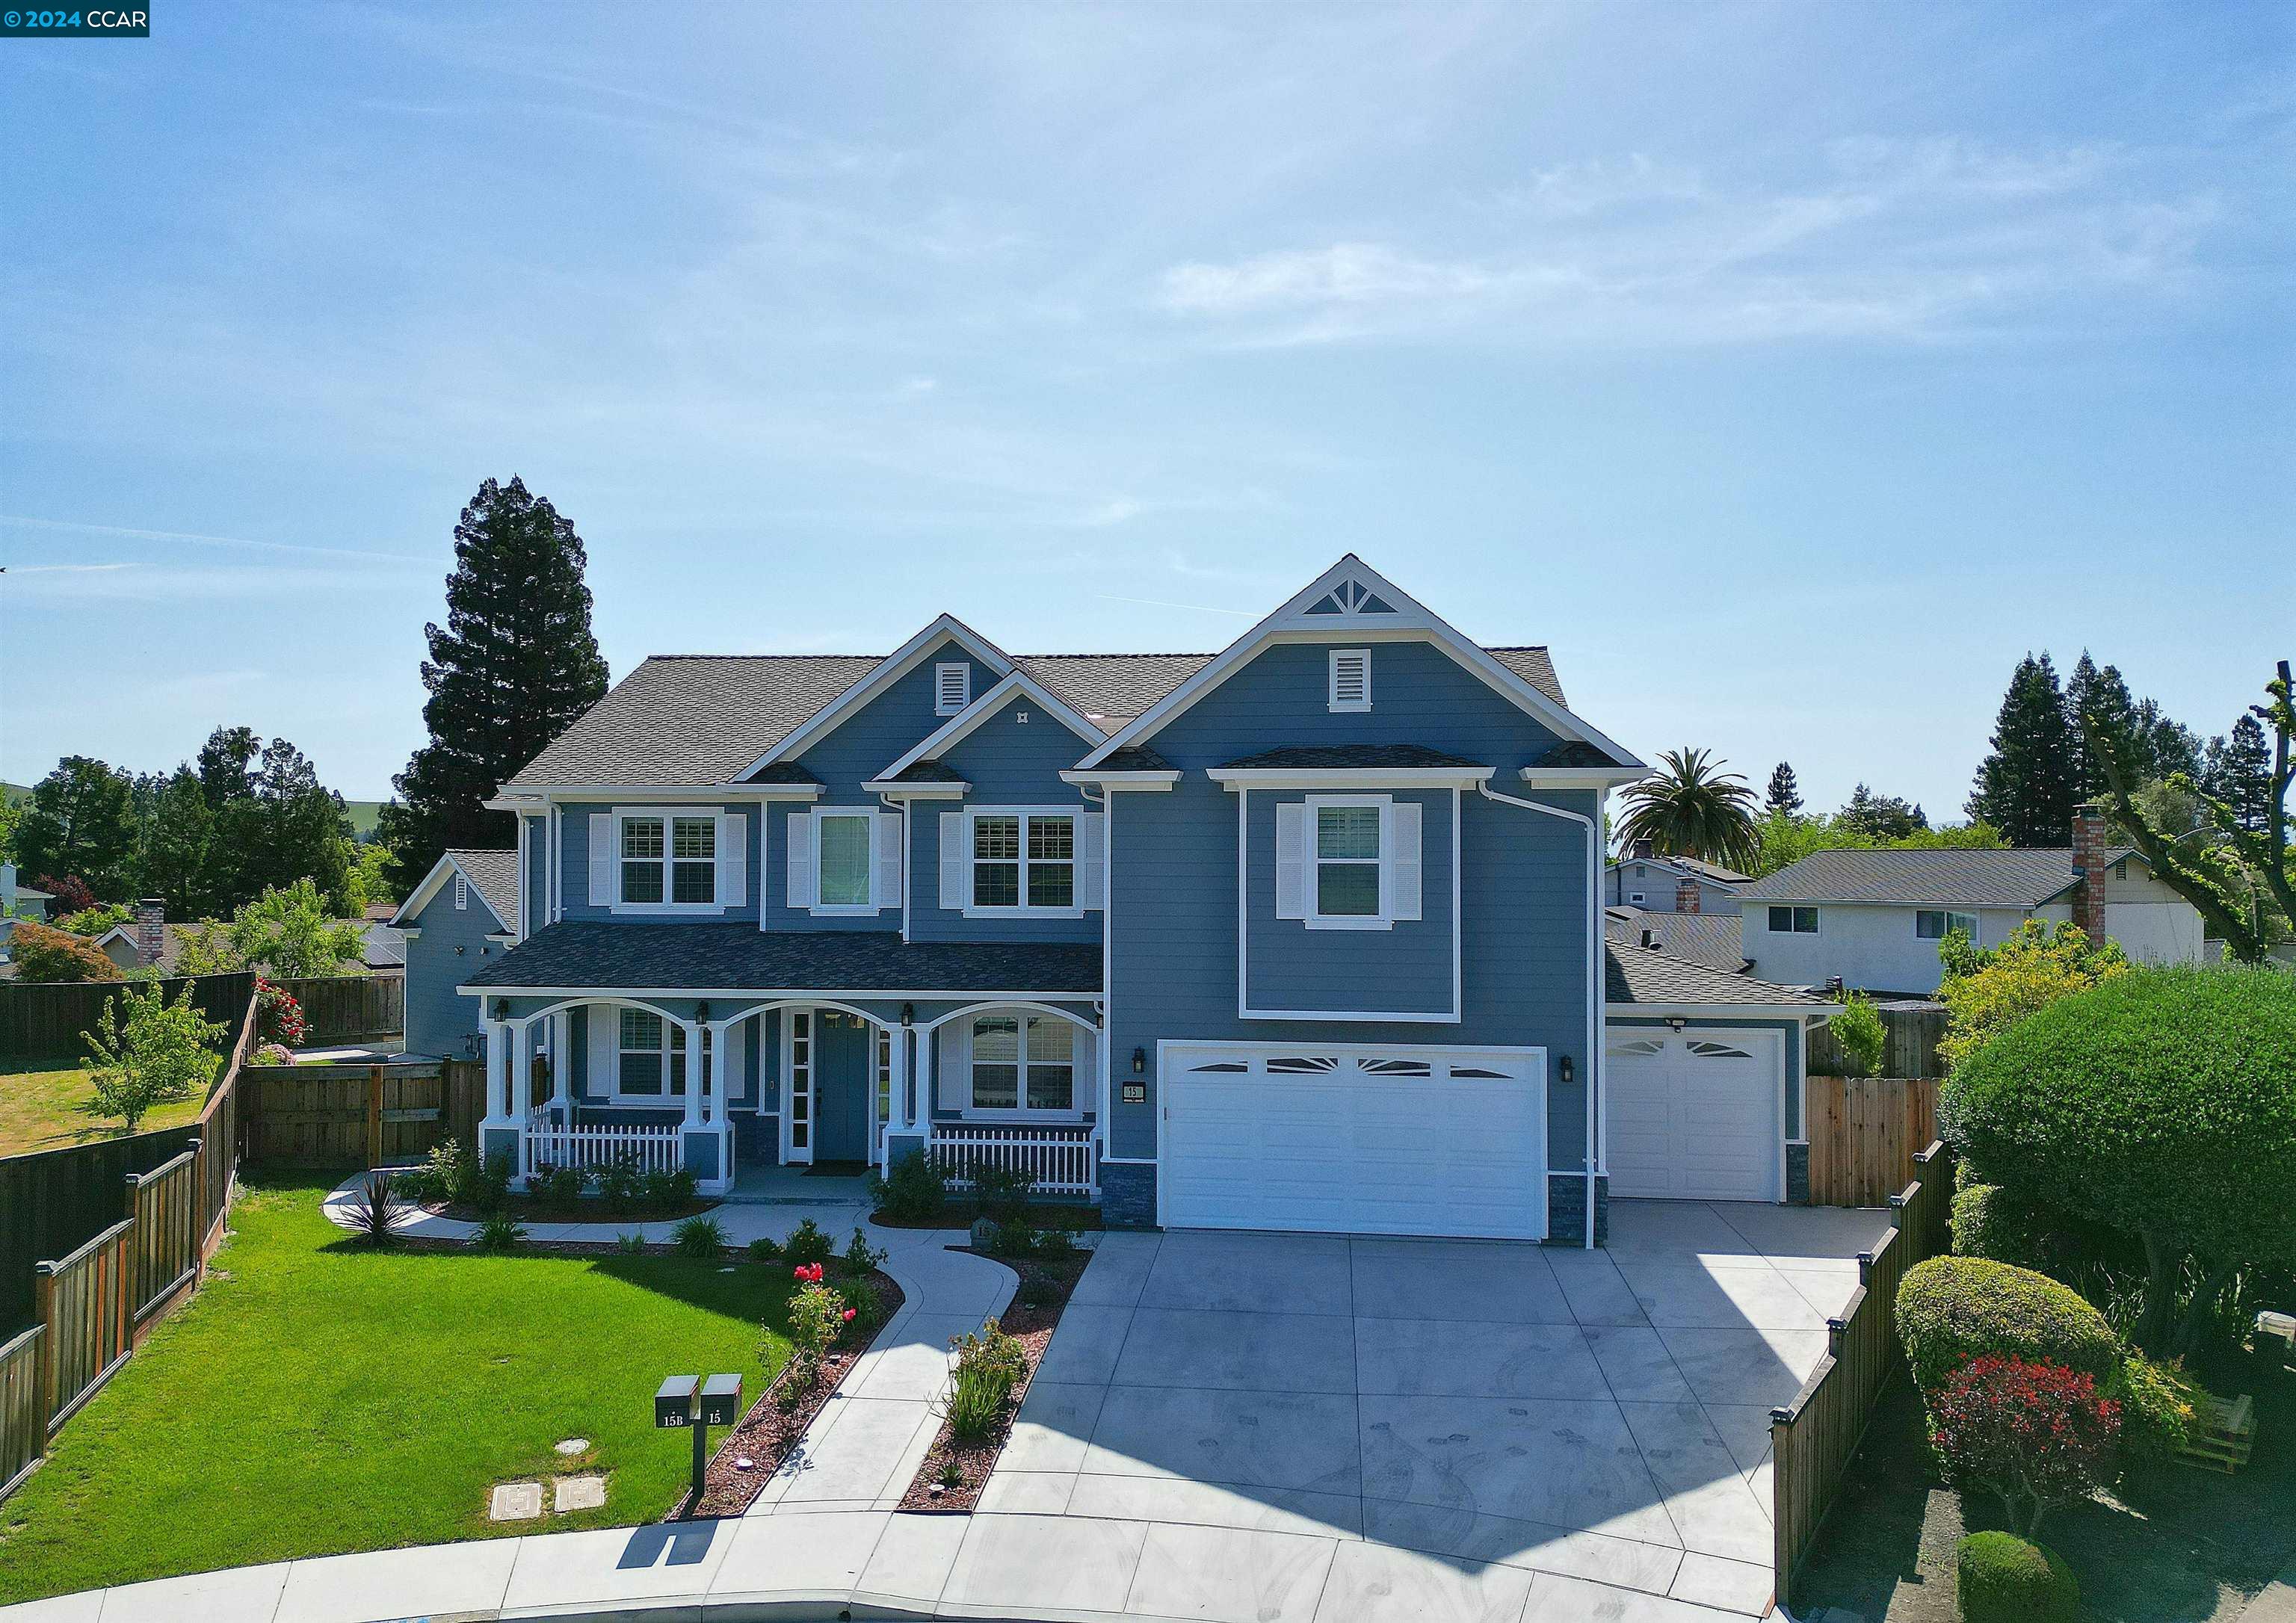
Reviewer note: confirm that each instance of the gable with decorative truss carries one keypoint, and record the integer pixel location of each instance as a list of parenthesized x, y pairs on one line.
[(1349, 597)]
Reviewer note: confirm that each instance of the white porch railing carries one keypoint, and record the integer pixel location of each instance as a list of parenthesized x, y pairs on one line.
[(1060, 1159), (548, 1143)]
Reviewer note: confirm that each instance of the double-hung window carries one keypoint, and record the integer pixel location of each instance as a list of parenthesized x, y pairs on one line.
[(1024, 859), (1793, 921), (1346, 861), (651, 1059), (847, 849), (1935, 925), (670, 858), (1024, 1064)]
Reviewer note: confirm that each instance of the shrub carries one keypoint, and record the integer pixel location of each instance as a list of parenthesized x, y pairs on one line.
[(817, 1316), (1014, 1241), (279, 1015), (617, 1181), (2158, 1406), (149, 1052), (632, 1244), (272, 1053), (205, 948), (868, 1308), (809, 1245), (2001, 1579), (2034, 1435), (861, 1257), (489, 1184), (1952, 1309), (71, 891), (914, 1193), (1864, 1039), (42, 953), (989, 1367), (666, 1189), (765, 1248), (440, 1178), (99, 919), (702, 1239), (2161, 1102), (376, 1212), (499, 1233), (1002, 1192), (287, 927), (559, 1186), (1985, 993), (1055, 1245)]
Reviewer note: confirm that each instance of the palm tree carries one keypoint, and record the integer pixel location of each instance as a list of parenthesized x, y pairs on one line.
[(1693, 809)]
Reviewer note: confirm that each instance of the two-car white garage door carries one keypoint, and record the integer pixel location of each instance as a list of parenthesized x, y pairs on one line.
[(1355, 1140)]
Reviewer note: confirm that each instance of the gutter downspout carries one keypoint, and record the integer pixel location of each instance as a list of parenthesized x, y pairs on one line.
[(1595, 946)]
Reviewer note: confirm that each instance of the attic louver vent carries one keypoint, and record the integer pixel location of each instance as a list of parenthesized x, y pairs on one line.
[(952, 688), (1350, 679)]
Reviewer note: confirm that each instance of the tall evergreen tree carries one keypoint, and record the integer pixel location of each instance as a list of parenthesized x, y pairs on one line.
[(2239, 773), (2024, 788), (174, 840), (80, 824), (1881, 816), (224, 766), (288, 827), (512, 668), (2167, 747), (2101, 695), (1784, 796)]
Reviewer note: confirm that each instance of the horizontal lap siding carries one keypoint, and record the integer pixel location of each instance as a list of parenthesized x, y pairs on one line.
[(451, 947), (1403, 970), (584, 821), (1008, 763), (1523, 912)]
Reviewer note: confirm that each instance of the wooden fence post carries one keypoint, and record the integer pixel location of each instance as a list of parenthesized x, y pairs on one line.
[(374, 1116), (44, 1286)]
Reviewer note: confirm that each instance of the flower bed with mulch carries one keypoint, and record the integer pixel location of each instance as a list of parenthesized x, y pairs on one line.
[(955, 1473), (526, 1208), (770, 1431), (960, 1212)]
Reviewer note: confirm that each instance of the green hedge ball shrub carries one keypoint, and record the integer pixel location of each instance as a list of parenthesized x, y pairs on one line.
[(2002, 1578), (1951, 1309)]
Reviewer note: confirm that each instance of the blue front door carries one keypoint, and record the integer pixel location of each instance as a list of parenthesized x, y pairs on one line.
[(841, 1084)]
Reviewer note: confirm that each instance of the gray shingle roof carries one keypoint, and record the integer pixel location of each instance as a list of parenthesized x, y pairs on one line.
[(728, 956), (701, 718), (1713, 870), (1136, 758), (1632, 975), (1712, 939), (495, 874), (1368, 757), (1978, 878), (1574, 752), (927, 772)]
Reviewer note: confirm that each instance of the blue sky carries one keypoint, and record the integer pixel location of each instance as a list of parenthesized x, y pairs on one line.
[(1790, 370)]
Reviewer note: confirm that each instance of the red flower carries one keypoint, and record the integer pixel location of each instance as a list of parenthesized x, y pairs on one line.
[(848, 1315)]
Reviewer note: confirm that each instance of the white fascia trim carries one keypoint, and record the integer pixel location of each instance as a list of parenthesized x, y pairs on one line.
[(1718, 1011), (622, 793), (781, 994), (1151, 780), (409, 932), (1929, 903), (1358, 1015), (962, 725), (946, 627), (1235, 779), (1586, 777), (419, 896), (1412, 622), (918, 791)]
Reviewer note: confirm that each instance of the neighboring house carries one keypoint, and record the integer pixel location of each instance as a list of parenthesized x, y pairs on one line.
[(1709, 939), (152, 940), (1874, 920), (463, 914), (1672, 884), (1305, 934)]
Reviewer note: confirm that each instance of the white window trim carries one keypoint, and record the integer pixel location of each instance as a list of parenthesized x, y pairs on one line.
[(462, 892), (672, 1069), (824, 910), (1384, 919), (667, 816), (1332, 692), (1074, 814), (1021, 1114), (963, 670)]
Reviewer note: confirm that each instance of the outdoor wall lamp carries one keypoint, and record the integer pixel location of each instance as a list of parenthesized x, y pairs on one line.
[(501, 1010), (1566, 1070), (700, 1014), (1676, 1026), (908, 1015), (1139, 1062)]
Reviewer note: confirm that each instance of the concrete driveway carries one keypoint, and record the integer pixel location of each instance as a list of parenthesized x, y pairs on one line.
[(1431, 1421)]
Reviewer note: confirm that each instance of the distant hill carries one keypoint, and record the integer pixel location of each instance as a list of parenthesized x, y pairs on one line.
[(364, 814), (12, 793)]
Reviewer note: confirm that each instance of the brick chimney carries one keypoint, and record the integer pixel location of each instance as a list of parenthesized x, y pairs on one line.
[(1642, 849), (1685, 896), (2089, 864), (150, 929)]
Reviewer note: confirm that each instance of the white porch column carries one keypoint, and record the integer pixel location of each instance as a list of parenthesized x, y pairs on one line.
[(562, 1064), (905, 1048), (498, 1063), (720, 1035), (693, 1072)]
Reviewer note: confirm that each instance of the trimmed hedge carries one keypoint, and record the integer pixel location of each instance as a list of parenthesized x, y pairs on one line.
[(1951, 1309), (2001, 1579)]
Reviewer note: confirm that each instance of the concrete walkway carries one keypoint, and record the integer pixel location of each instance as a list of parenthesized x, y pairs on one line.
[(839, 1208)]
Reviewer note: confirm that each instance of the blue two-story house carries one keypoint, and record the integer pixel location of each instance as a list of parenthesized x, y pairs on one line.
[(1307, 934)]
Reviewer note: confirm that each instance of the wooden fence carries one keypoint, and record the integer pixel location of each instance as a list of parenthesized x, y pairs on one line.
[(46, 1018), (352, 1117), (1913, 1034), (1815, 1437), (350, 1008), (92, 1305), (1866, 1135)]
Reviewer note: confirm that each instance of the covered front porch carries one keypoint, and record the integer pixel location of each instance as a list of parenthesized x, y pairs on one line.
[(715, 1078)]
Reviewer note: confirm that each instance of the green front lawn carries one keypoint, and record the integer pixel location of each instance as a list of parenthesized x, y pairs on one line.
[(315, 1397), (47, 1108)]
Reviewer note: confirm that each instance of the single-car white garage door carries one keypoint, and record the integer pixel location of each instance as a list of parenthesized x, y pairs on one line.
[(1694, 1114), (1354, 1140)]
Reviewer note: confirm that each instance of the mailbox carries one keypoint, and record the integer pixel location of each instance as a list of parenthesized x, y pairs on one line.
[(673, 1405), (721, 1400)]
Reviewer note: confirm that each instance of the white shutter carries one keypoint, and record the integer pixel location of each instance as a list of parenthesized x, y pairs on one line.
[(1292, 861), (605, 1047), (955, 862), (1403, 872), (734, 860), (955, 1065), (885, 876), (603, 832), (802, 887), (1091, 842)]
